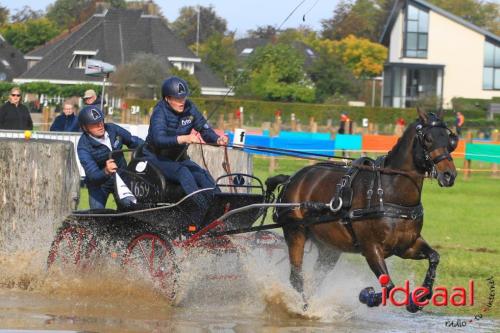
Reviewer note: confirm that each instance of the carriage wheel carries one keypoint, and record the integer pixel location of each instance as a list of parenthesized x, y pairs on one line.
[(151, 253), (74, 246)]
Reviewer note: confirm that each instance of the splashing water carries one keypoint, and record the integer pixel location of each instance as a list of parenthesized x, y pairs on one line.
[(247, 290)]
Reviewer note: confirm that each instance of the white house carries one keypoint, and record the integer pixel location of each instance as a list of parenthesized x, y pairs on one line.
[(433, 53)]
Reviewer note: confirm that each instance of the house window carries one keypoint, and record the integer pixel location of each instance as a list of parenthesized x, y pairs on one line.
[(246, 51), (187, 66), (491, 70), (416, 32), (80, 58)]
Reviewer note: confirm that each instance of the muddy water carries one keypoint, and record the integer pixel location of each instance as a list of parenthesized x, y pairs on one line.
[(108, 299)]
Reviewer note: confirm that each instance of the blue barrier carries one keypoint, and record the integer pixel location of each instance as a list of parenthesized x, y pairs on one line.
[(300, 135), (324, 147), (348, 141)]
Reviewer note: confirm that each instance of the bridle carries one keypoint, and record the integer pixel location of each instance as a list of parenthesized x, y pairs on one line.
[(422, 129)]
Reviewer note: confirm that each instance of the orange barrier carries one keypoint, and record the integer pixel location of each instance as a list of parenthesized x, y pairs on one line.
[(378, 143), (460, 151)]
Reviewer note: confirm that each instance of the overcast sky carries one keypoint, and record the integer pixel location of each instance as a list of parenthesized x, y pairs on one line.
[(240, 15)]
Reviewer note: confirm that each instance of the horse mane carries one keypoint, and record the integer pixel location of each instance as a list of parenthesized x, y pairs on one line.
[(405, 140)]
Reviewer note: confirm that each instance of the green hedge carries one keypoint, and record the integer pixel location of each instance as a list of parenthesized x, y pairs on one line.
[(48, 88), (473, 107), (256, 112)]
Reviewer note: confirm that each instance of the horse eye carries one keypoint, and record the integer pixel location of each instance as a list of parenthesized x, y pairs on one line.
[(427, 138)]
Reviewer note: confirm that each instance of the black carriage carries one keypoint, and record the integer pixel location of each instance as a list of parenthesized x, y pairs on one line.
[(147, 235)]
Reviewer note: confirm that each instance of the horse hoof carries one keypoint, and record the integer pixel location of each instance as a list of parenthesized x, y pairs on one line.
[(412, 307), (369, 297)]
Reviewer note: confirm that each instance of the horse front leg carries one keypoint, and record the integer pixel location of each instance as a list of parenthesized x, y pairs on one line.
[(418, 251), (295, 238), (375, 258)]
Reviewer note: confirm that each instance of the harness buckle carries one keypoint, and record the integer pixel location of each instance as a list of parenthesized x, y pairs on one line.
[(335, 209)]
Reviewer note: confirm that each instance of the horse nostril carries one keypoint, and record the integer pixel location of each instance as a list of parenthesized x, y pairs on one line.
[(448, 176)]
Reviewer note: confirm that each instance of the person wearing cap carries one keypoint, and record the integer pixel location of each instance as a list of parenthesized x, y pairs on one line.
[(170, 132), (67, 121), (90, 98), (97, 141), (14, 115)]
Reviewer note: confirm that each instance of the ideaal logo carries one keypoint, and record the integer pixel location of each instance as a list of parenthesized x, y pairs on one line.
[(459, 296)]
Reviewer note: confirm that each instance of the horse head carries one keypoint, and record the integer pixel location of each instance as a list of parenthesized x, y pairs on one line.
[(433, 147)]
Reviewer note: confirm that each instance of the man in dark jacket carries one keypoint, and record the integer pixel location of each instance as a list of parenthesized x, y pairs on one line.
[(90, 98), (13, 114), (170, 132), (66, 121), (97, 141)]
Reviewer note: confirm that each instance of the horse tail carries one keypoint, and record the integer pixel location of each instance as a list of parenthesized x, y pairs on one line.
[(272, 183)]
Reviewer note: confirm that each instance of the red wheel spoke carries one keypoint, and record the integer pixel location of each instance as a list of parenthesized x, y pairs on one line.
[(144, 255), (160, 260), (152, 257), (78, 246)]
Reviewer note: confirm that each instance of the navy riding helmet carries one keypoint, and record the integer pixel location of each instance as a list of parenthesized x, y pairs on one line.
[(174, 87), (90, 114)]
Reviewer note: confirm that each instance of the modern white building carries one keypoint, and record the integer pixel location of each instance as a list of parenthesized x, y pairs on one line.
[(433, 53)]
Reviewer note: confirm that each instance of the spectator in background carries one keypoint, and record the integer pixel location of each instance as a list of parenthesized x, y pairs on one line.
[(344, 122), (400, 126), (66, 121), (13, 114), (90, 98), (459, 123)]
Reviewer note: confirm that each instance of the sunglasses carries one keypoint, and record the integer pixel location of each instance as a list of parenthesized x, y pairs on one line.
[(16, 95)]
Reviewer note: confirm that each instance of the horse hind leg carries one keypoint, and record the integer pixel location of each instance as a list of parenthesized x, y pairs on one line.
[(375, 259), (326, 261), (422, 250), (295, 238)]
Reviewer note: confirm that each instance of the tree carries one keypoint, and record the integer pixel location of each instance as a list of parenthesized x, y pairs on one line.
[(143, 76), (68, 13), (65, 13), (362, 57), (25, 36), (331, 77), (302, 33), (357, 18), (219, 54), (275, 72), (4, 15), (25, 14), (140, 78), (185, 26), (267, 32)]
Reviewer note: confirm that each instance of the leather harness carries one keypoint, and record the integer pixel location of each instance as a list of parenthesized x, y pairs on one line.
[(344, 194)]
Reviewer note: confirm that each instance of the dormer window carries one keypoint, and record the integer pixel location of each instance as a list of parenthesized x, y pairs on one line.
[(246, 51), (80, 58), (186, 64), (416, 32)]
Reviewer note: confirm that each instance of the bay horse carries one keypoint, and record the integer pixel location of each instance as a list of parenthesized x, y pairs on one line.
[(375, 207)]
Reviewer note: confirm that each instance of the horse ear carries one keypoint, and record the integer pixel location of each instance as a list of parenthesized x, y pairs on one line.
[(422, 114)]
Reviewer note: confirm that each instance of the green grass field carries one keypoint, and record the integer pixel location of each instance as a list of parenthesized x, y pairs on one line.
[(462, 223)]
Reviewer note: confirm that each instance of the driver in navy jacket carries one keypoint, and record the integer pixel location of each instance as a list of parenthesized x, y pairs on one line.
[(170, 131), (97, 141)]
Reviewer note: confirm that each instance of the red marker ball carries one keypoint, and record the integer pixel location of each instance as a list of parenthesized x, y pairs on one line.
[(384, 279)]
